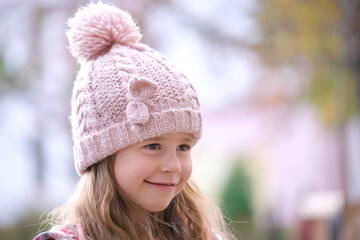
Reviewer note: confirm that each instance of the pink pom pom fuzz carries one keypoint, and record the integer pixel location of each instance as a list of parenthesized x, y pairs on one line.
[(97, 27)]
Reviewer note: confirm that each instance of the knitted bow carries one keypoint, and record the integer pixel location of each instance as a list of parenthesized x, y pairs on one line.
[(136, 111)]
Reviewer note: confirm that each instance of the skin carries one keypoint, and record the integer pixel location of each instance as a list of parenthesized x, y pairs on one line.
[(154, 171)]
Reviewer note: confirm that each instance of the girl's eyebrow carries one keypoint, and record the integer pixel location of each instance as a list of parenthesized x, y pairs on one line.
[(188, 140), (155, 139)]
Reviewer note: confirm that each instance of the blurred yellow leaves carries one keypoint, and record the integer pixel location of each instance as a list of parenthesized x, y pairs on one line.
[(293, 27), (310, 29)]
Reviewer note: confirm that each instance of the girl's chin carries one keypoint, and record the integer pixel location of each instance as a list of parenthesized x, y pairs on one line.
[(156, 209)]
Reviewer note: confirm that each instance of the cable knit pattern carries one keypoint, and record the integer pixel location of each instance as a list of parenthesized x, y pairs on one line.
[(125, 92)]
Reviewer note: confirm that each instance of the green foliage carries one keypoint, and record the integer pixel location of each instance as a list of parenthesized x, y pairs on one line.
[(295, 27), (309, 29), (25, 228), (237, 198), (237, 202)]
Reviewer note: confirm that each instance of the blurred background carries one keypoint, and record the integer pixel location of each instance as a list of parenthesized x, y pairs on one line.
[(279, 84)]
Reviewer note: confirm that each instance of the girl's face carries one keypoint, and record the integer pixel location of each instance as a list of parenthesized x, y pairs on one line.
[(154, 171)]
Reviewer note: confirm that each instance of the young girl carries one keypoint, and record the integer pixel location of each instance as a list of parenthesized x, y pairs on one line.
[(134, 120)]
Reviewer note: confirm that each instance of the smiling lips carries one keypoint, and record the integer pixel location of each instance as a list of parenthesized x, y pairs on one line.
[(168, 187)]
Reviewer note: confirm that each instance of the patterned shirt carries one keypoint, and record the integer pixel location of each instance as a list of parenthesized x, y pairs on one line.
[(73, 232), (65, 232)]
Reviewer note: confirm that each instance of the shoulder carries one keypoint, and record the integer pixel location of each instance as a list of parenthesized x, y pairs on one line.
[(63, 232)]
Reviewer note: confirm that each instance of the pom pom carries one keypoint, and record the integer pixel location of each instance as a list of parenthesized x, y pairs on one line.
[(96, 27)]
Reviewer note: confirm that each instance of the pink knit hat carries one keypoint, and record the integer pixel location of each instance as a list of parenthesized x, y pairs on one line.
[(125, 92)]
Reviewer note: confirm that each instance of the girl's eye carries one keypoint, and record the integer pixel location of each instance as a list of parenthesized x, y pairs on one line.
[(153, 146), (183, 148)]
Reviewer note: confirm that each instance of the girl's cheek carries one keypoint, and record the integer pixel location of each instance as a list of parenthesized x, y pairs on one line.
[(188, 169)]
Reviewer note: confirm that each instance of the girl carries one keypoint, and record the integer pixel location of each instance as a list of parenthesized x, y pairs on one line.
[(134, 120)]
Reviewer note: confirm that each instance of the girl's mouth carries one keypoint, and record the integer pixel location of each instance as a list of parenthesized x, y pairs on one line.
[(168, 187)]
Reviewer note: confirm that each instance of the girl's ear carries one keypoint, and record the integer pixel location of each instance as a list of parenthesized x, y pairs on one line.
[(142, 87)]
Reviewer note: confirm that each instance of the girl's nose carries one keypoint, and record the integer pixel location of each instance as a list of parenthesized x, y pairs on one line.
[(171, 162)]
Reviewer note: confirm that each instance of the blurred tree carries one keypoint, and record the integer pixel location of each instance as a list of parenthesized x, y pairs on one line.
[(25, 227), (5, 77), (237, 200), (237, 193), (326, 34), (306, 35), (21, 79), (350, 10)]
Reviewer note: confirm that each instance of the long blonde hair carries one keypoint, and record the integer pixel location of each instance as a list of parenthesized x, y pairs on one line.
[(105, 212)]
